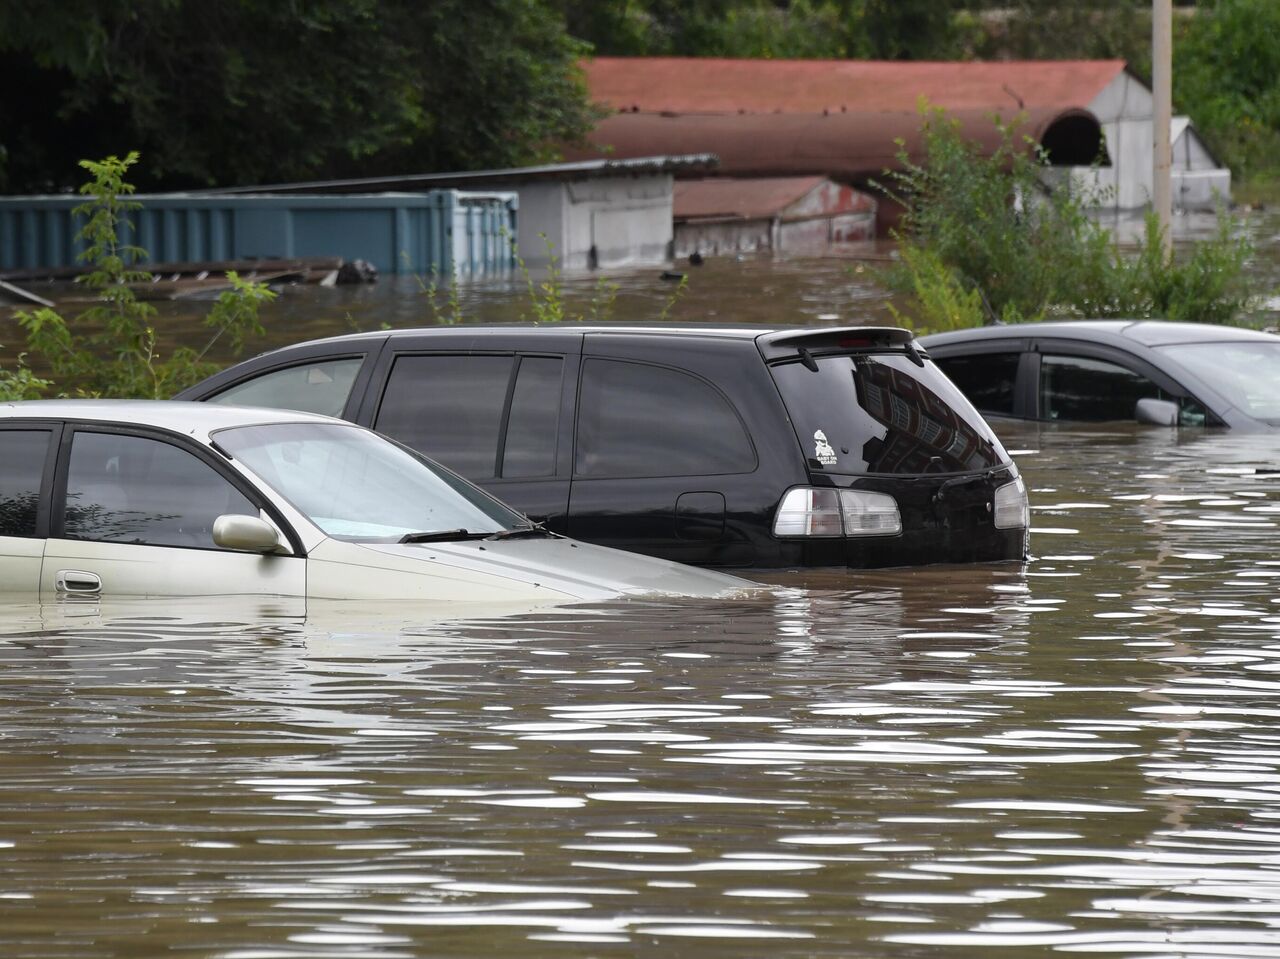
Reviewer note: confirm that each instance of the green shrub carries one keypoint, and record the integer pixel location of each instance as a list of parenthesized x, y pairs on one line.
[(941, 300), (110, 349), (986, 229), (20, 383)]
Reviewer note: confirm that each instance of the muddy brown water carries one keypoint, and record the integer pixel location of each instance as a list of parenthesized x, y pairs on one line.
[(1079, 754), (1076, 754)]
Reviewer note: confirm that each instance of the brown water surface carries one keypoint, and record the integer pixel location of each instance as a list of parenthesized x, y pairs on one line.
[(1078, 754)]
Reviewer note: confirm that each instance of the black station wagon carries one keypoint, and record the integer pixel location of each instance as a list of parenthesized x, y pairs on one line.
[(742, 447)]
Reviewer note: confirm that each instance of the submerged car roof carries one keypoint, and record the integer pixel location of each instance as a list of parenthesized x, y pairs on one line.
[(193, 419), (1144, 332)]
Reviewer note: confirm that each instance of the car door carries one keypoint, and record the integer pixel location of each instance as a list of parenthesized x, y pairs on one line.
[(1078, 382), (655, 451), (495, 409), (26, 461), (132, 515)]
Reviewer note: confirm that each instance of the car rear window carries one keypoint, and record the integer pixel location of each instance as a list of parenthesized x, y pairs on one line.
[(884, 413)]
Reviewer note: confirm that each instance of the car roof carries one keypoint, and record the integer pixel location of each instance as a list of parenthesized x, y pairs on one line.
[(194, 419), (763, 333), (1144, 332)]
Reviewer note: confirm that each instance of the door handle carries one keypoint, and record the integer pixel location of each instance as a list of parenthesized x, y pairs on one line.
[(77, 582)]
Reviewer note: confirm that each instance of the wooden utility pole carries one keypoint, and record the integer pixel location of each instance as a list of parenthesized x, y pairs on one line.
[(1162, 110)]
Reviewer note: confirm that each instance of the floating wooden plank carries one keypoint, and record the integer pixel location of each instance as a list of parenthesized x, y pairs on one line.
[(306, 268)]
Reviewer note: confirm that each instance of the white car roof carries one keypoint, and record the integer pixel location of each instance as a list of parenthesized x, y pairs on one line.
[(193, 419)]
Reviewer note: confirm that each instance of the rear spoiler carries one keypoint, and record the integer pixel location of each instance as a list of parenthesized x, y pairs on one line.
[(788, 344)]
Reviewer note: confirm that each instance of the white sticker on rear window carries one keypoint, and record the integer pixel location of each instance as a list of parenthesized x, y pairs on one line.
[(822, 450)]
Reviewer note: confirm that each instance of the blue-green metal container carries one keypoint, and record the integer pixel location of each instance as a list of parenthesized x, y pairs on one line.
[(445, 232)]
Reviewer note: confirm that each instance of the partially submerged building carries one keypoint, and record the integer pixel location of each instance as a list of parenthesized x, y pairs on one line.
[(852, 120), (785, 215), (601, 212), (589, 214)]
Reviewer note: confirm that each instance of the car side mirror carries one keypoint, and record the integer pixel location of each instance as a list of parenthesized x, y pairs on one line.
[(250, 533), (1156, 412)]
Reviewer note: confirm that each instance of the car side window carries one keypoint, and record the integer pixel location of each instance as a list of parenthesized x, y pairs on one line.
[(138, 490), (987, 379), (639, 420), (320, 387), (449, 407), (22, 459), (533, 423), (1085, 389)]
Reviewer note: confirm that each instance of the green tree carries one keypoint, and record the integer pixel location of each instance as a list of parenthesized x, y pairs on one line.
[(1227, 77), (765, 28), (1052, 30), (911, 29), (253, 91)]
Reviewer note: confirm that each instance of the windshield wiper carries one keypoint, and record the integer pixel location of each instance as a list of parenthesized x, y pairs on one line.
[(441, 536), (522, 532)]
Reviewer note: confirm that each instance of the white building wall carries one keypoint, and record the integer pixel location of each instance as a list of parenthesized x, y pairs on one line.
[(1125, 109), (598, 222), (542, 211)]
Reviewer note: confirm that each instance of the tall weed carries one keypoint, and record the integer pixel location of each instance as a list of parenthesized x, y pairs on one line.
[(110, 349)]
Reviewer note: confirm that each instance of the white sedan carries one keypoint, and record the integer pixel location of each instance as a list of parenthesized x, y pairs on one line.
[(119, 498)]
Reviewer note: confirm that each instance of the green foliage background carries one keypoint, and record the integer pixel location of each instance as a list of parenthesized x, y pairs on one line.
[(239, 92), (253, 91)]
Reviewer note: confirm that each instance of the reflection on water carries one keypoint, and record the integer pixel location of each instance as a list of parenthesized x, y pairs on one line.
[(1078, 755)]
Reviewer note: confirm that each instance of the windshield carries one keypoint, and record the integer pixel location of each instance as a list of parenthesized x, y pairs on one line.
[(883, 413), (1246, 373), (355, 485)]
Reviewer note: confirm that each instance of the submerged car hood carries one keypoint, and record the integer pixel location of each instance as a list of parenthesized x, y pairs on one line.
[(567, 566)]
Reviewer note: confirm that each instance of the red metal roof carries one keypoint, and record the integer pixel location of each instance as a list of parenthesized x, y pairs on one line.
[(710, 85), (848, 146), (763, 198), (846, 119)]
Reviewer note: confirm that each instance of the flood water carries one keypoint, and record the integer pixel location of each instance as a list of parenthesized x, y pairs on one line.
[(1076, 755), (1079, 754)]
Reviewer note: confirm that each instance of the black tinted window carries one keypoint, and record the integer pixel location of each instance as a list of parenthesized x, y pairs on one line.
[(987, 380), (449, 407), (1079, 388), (883, 413), (530, 449), (22, 456), (638, 420), (321, 387), (131, 489)]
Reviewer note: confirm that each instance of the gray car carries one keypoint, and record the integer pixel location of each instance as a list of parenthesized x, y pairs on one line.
[(109, 498), (1183, 374)]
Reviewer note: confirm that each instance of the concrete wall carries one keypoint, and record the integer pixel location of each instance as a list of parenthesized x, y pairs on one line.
[(598, 222)]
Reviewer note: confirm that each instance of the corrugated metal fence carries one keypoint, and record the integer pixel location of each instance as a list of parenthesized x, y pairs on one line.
[(449, 232)]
